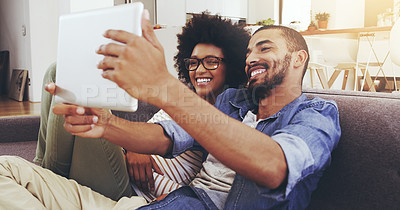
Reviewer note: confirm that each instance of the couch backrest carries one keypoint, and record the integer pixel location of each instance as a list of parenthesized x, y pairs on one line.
[(144, 112), (365, 168)]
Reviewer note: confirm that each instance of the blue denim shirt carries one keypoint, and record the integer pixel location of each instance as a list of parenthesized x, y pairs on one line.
[(307, 131)]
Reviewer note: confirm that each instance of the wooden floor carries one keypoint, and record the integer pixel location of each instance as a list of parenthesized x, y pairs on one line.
[(10, 107)]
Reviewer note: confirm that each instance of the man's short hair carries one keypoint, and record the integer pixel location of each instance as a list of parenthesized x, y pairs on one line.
[(295, 41)]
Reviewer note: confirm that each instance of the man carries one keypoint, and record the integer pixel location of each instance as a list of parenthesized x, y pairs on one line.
[(275, 166)]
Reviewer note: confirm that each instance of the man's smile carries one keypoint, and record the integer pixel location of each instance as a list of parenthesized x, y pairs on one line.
[(256, 70)]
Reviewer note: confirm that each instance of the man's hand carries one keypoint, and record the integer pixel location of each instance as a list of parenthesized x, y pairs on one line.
[(136, 64), (140, 169)]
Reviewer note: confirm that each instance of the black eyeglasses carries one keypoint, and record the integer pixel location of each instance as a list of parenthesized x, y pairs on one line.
[(209, 63)]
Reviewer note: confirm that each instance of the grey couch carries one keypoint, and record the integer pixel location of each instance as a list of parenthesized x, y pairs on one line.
[(365, 169)]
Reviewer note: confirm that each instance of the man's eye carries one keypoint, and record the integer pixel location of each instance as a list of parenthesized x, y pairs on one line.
[(265, 49)]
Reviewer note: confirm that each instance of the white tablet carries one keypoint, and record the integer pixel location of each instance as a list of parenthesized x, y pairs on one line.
[(80, 35)]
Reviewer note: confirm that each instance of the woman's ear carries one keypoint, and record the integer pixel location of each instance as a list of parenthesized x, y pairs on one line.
[(301, 58)]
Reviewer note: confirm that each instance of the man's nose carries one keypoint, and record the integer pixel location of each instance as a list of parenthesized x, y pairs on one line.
[(252, 59)]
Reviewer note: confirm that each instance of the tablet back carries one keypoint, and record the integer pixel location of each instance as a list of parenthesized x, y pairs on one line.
[(80, 35)]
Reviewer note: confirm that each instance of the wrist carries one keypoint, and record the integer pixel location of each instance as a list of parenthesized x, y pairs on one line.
[(110, 124)]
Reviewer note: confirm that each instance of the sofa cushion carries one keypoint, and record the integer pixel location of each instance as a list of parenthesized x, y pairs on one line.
[(365, 168)]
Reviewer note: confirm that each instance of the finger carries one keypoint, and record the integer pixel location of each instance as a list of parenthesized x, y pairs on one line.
[(68, 109), (155, 166), (143, 179), (76, 129), (51, 88), (130, 170), (136, 175), (147, 30), (150, 178), (120, 36), (109, 74), (108, 63), (81, 120), (111, 49)]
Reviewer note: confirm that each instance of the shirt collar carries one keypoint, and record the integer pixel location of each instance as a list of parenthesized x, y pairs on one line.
[(244, 102)]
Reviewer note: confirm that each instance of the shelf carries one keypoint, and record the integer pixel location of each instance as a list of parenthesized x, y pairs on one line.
[(344, 31)]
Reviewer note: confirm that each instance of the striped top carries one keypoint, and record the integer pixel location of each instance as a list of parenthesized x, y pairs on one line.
[(178, 171)]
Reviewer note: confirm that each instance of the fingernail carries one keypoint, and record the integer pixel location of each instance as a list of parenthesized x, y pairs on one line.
[(80, 110), (146, 14), (50, 85), (95, 119), (100, 48), (92, 126)]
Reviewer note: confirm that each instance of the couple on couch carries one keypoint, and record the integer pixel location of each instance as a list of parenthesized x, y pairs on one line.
[(264, 146)]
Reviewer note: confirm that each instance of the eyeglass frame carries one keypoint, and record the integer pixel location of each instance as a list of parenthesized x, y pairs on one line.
[(201, 61)]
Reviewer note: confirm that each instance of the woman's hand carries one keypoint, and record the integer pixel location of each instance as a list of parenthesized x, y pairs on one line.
[(51, 88), (81, 121), (84, 122), (140, 170)]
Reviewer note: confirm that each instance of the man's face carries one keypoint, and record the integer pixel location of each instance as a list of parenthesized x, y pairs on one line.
[(267, 60)]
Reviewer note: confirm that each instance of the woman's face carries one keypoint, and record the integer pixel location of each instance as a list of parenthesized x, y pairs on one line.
[(208, 83)]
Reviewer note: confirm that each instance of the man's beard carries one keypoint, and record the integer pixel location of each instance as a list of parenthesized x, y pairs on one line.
[(263, 90)]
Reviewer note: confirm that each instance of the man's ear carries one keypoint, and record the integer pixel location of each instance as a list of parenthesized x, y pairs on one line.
[(301, 57)]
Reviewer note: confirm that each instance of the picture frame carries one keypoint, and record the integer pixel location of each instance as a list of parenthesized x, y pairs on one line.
[(18, 84)]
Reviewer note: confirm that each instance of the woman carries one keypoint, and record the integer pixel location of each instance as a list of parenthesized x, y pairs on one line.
[(211, 58)]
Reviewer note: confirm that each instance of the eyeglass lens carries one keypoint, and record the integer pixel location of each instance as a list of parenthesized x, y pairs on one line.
[(209, 63)]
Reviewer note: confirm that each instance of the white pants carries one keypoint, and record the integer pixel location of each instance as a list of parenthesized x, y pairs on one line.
[(24, 185)]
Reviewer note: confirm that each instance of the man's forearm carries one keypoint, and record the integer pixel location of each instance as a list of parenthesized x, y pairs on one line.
[(140, 137), (243, 149)]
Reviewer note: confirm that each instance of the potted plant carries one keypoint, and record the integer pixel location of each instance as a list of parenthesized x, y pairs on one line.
[(266, 22), (312, 26), (322, 19)]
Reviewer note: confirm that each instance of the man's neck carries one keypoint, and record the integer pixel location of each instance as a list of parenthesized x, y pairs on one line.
[(279, 98)]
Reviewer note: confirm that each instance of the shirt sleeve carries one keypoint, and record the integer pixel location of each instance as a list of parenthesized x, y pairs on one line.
[(308, 141), (181, 140), (159, 116)]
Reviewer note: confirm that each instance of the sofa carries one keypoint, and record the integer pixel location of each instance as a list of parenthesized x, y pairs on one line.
[(365, 167)]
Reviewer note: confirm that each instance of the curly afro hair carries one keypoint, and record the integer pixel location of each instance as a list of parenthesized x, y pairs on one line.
[(231, 38)]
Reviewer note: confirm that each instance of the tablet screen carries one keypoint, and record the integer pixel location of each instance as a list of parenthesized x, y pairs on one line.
[(80, 34)]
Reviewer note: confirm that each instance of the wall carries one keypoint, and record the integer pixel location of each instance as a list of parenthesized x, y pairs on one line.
[(13, 15), (171, 12), (343, 13), (373, 8), (299, 11), (79, 5), (262, 10), (43, 26), (169, 41)]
